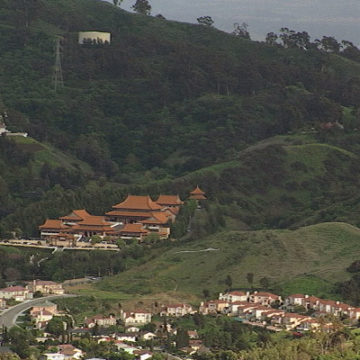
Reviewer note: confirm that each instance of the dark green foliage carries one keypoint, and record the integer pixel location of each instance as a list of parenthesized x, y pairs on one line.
[(162, 101)]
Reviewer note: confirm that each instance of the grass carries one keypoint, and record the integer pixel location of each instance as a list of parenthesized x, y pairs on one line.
[(45, 153), (310, 260)]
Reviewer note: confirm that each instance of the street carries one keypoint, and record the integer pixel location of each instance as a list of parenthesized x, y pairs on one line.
[(8, 317)]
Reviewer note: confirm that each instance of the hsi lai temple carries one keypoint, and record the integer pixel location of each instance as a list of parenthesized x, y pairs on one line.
[(134, 218)]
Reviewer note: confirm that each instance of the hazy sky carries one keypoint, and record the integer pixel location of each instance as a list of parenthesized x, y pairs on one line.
[(318, 17)]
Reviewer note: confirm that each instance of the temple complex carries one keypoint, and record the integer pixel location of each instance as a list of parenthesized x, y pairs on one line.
[(135, 217)]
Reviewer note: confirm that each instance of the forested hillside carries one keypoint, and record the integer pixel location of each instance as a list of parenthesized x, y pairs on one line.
[(164, 100)]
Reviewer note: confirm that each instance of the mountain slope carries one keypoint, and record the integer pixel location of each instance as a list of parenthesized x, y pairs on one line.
[(164, 100), (324, 250)]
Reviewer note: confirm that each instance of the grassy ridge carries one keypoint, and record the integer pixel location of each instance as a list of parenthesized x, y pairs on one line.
[(324, 250)]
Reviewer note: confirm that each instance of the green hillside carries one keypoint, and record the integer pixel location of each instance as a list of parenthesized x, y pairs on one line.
[(164, 100), (286, 258)]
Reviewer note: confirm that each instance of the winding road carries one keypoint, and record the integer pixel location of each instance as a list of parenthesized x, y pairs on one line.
[(8, 317)]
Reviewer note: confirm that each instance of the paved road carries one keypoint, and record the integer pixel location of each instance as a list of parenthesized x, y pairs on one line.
[(8, 317)]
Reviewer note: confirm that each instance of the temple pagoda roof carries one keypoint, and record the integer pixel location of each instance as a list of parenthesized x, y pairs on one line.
[(169, 200), (197, 191), (53, 224), (76, 215), (134, 228), (134, 202)]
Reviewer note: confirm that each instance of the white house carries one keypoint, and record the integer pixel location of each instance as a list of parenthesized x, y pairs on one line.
[(136, 317), (233, 296), (18, 293), (176, 310)]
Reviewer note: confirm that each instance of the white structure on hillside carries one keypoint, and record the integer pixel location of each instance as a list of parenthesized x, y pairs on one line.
[(95, 37), (4, 131)]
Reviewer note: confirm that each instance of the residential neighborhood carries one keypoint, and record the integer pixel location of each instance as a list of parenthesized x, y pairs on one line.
[(143, 332)]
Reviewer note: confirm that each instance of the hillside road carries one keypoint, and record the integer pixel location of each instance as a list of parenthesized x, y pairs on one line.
[(8, 317)]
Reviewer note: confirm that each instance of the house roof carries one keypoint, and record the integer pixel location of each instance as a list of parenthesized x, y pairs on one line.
[(13, 289), (266, 294), (76, 215), (297, 296), (135, 202), (197, 197), (133, 228), (237, 293), (169, 200), (53, 224), (44, 282)]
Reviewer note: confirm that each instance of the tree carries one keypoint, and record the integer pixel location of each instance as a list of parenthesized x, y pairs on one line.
[(142, 7), (271, 38), (205, 20), (55, 326), (95, 239), (228, 281), (265, 283), (250, 278), (206, 293), (117, 2), (182, 338), (241, 30)]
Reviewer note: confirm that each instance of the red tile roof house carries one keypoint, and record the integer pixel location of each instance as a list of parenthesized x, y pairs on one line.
[(213, 307), (246, 310), (234, 296), (308, 325), (18, 293), (291, 320), (295, 300), (139, 317), (354, 313), (264, 298), (100, 320), (46, 287), (176, 310), (234, 307)]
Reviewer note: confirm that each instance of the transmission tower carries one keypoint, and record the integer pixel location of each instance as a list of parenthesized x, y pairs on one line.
[(58, 75)]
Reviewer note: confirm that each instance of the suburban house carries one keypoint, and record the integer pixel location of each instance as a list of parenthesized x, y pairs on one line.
[(142, 354), (264, 298), (70, 352), (176, 310), (100, 320), (295, 300), (136, 317), (131, 337), (46, 287), (213, 307), (234, 296), (43, 313), (291, 320), (17, 293)]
